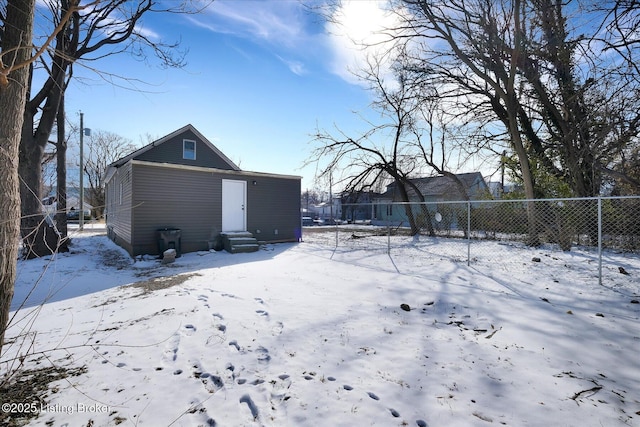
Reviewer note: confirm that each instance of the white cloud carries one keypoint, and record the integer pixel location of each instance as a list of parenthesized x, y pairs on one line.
[(277, 22), (356, 30), (296, 67), (359, 30), (281, 26)]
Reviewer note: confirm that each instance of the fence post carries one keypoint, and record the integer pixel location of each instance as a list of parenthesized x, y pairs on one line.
[(600, 240), (468, 233), (388, 237)]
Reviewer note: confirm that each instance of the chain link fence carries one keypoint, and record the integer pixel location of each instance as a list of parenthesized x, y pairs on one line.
[(457, 230)]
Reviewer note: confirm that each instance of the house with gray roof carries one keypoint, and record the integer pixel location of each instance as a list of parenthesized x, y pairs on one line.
[(181, 192), (436, 189)]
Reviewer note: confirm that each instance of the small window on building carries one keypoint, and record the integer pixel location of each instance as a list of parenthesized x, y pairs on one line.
[(188, 149)]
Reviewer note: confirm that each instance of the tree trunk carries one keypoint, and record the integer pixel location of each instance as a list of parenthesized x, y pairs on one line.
[(423, 209), (61, 175), (30, 170), (415, 229), (15, 49), (39, 238), (513, 108)]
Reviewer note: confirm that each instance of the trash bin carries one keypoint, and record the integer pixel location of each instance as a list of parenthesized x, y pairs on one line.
[(169, 238)]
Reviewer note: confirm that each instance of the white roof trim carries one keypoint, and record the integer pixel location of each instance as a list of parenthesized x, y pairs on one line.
[(214, 170)]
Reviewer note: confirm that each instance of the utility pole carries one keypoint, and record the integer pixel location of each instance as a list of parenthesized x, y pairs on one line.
[(330, 195), (81, 213), (502, 162), (83, 131)]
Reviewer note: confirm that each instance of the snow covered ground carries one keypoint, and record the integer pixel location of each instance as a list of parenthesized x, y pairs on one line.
[(307, 335)]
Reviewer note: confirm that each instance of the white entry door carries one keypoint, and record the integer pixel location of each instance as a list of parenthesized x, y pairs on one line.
[(234, 202)]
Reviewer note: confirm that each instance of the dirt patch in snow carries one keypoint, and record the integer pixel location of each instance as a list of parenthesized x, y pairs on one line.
[(114, 258), (160, 283), (23, 393)]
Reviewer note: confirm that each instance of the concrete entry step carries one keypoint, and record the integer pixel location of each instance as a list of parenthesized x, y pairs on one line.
[(239, 241)]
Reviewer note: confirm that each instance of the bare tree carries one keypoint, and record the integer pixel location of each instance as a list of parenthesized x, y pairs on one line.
[(621, 27), (103, 148), (382, 152), (457, 51), (15, 42), (528, 67), (569, 108), (108, 27), (15, 57)]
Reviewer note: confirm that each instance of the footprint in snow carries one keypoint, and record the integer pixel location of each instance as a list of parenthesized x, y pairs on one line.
[(234, 344), (229, 296), (262, 313), (263, 355), (281, 384), (188, 330), (372, 395), (251, 405), (259, 300), (204, 299), (170, 353), (277, 328), (230, 372), (212, 383), (218, 335)]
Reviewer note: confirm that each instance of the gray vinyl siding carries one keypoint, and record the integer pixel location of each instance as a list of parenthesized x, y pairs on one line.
[(175, 198), (119, 206), (190, 199), (273, 208), (171, 152)]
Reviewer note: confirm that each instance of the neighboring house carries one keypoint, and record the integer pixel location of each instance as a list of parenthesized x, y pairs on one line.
[(50, 205), (325, 211), (435, 189), (183, 182), (358, 206)]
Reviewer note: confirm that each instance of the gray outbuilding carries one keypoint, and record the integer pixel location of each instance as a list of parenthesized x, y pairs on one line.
[(182, 192)]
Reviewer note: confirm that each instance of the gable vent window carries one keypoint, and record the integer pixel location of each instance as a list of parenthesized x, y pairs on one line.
[(188, 149)]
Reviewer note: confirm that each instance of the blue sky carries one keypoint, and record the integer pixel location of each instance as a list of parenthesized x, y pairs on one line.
[(261, 77)]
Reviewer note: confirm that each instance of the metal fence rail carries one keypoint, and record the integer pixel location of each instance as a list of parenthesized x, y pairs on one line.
[(595, 224)]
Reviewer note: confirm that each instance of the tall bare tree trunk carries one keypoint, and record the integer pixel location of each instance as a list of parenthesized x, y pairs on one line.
[(512, 106), (423, 209), (39, 238), (404, 195), (61, 178), (15, 49)]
